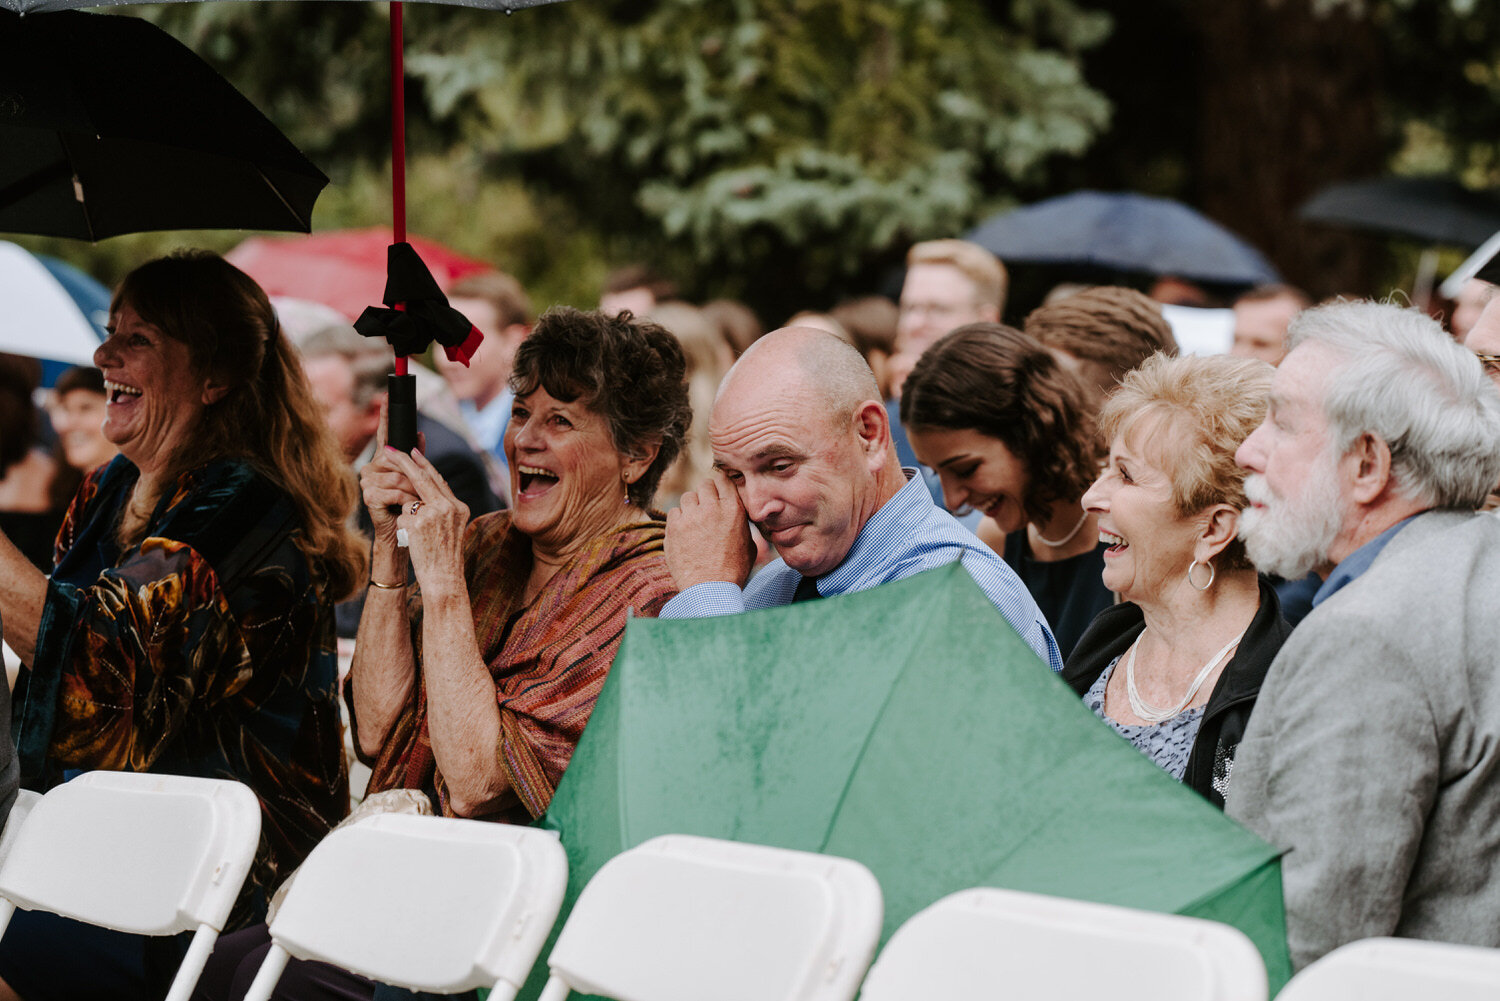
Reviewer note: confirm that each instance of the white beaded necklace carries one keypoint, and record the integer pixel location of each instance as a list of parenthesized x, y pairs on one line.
[(1066, 538), (1150, 713)]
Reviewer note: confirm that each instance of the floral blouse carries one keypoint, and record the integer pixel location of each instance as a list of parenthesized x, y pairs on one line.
[(206, 650)]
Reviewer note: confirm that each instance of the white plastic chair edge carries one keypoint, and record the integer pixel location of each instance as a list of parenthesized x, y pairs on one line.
[(276, 959), (204, 936), (557, 987), (1247, 982), (1385, 953)]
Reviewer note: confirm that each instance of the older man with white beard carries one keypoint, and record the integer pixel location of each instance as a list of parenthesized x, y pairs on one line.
[(1373, 754)]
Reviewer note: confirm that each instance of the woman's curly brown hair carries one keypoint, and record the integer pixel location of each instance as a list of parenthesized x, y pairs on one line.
[(1000, 382), (630, 372)]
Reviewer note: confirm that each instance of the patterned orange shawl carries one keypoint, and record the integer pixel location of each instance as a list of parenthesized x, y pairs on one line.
[(549, 660)]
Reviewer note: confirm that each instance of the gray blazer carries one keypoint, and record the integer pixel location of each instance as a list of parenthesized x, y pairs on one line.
[(1373, 754)]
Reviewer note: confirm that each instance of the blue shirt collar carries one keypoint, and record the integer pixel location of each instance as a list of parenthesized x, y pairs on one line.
[(908, 506), (1357, 562)]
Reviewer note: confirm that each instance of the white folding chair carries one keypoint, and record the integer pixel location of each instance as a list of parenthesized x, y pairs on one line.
[(25, 800), (683, 918), (1387, 969), (993, 943), (140, 853), (425, 903)]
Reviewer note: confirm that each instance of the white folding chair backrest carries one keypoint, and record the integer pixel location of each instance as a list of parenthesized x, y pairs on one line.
[(1386, 969), (25, 800), (994, 943), (140, 853), (683, 918), (425, 903)]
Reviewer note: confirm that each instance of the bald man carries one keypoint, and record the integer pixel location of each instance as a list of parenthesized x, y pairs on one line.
[(802, 448)]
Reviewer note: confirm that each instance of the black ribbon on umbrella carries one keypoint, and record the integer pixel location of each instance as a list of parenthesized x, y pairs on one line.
[(417, 315)]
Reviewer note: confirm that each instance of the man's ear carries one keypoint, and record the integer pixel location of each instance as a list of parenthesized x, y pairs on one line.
[(1368, 465), (873, 425)]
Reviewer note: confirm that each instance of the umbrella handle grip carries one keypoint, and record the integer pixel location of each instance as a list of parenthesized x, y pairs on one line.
[(401, 412)]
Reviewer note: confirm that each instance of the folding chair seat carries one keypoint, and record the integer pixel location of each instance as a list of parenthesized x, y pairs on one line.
[(1004, 943), (425, 903), (683, 918), (136, 852), (1399, 969)]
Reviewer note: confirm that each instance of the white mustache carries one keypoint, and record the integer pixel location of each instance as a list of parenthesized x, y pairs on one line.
[(1256, 489)]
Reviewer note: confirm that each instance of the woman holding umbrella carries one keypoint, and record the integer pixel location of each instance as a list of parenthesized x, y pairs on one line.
[(188, 625)]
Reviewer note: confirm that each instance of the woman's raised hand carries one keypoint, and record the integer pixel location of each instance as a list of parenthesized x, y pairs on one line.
[(385, 487), (434, 520)]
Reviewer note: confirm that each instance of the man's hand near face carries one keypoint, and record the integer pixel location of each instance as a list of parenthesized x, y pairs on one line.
[(708, 536)]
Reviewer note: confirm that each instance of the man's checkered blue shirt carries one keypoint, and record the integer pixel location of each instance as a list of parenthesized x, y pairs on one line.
[(906, 536)]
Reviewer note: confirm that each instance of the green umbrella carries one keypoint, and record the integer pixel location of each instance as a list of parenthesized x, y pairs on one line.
[(910, 728)]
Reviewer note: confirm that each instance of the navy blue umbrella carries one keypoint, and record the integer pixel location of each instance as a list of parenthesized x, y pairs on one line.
[(1121, 231)]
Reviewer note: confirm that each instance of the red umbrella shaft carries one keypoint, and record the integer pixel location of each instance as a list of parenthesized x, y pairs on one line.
[(398, 139)]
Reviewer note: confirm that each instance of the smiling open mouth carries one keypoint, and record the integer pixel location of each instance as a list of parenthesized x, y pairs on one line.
[(533, 480), (1116, 544), (117, 391)]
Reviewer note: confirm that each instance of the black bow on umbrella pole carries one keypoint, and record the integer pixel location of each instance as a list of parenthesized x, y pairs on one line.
[(417, 313)]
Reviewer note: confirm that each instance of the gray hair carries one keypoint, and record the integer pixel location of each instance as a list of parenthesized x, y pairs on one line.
[(1405, 381), (369, 358)]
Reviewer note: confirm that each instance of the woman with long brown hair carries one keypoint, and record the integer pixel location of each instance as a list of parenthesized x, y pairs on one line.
[(188, 626)]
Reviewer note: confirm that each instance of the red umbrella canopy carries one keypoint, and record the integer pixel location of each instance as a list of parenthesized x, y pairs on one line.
[(345, 269)]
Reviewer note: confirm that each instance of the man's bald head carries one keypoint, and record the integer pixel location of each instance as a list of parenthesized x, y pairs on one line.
[(799, 428), (826, 371)]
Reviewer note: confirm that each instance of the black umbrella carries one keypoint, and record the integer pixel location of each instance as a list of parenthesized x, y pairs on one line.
[(1434, 210), (109, 125), (1123, 231)]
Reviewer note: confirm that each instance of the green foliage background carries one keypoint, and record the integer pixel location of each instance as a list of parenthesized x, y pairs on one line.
[(782, 151)]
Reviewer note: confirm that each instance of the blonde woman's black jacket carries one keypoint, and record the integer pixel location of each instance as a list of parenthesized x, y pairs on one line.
[(1228, 710)]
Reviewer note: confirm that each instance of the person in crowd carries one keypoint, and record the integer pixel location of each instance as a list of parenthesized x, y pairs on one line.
[(188, 625), (737, 323), (802, 449), (1470, 302), (635, 288), (474, 685), (871, 321), (1008, 433), (28, 516), (708, 357), (1372, 753), (1483, 339), (496, 304), (347, 372), (948, 283), (1101, 333), (77, 413), (1175, 668), (1261, 317)]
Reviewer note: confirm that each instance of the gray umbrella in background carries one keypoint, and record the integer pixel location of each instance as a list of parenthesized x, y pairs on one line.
[(1125, 232)]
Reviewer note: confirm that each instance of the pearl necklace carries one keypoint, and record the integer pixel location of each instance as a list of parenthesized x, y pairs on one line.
[(1066, 538), (1150, 713)]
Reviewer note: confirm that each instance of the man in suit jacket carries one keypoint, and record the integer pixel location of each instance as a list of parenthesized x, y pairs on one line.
[(1373, 755)]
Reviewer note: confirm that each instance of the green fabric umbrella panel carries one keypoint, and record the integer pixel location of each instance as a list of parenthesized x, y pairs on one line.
[(910, 728)]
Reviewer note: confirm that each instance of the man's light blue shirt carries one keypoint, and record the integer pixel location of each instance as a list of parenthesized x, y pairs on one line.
[(487, 423), (1357, 562), (906, 536)]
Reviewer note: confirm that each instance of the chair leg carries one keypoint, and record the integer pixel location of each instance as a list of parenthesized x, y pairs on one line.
[(557, 989), (269, 972), (192, 963)]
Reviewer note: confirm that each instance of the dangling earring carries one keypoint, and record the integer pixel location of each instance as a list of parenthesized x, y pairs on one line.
[(1210, 583)]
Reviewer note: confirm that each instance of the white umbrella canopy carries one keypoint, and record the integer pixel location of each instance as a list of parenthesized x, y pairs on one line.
[(42, 319)]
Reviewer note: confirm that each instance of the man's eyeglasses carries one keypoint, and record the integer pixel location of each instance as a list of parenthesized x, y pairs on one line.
[(1491, 363)]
